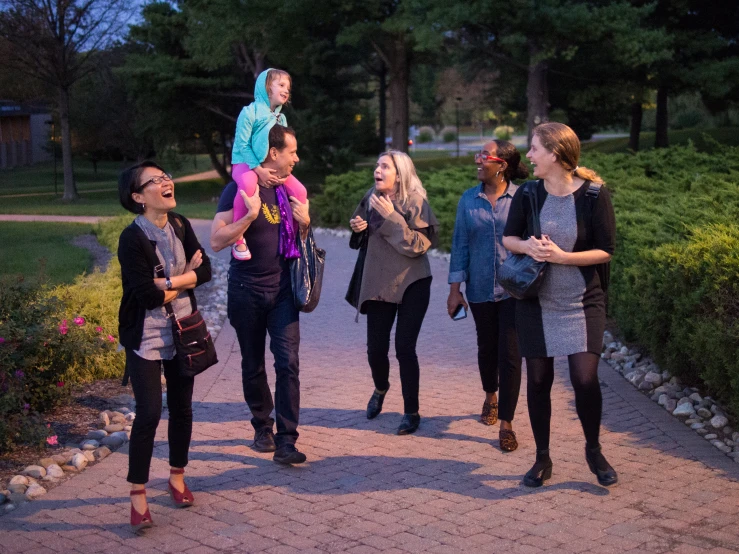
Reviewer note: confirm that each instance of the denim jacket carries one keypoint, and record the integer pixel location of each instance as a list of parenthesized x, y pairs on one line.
[(477, 246)]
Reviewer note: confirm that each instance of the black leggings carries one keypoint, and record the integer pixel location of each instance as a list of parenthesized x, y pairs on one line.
[(588, 399), (498, 356), (380, 318), (147, 390)]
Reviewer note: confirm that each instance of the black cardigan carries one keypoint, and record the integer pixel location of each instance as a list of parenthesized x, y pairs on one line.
[(137, 255)]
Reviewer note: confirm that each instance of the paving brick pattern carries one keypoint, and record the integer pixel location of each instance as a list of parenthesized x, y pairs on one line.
[(446, 489)]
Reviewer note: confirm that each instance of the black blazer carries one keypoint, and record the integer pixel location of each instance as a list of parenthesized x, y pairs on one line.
[(137, 255)]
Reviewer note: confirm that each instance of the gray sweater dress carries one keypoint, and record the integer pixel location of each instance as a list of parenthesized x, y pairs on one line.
[(569, 315)]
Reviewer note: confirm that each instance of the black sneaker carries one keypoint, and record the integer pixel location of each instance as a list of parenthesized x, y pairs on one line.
[(374, 406), (409, 424), (264, 440), (288, 454)]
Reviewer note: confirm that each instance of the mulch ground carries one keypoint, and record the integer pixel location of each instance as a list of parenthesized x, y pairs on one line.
[(70, 422)]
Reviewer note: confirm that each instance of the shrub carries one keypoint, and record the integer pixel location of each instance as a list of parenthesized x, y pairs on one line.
[(425, 134), (449, 136), (38, 348), (688, 298), (503, 132)]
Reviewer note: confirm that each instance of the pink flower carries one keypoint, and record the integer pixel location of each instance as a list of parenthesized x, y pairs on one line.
[(80, 321), (60, 384), (26, 407), (20, 374), (63, 327), (111, 338), (52, 440), (2, 340), (98, 329)]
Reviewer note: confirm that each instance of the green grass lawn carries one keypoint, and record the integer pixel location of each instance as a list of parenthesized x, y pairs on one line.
[(42, 250), (196, 199), (725, 135)]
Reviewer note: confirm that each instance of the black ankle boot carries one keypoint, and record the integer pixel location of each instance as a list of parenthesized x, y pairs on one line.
[(598, 464), (540, 471)]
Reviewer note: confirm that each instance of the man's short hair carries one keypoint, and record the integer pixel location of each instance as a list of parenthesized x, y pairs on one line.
[(277, 136)]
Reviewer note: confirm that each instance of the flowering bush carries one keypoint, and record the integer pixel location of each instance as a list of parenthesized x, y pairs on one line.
[(37, 351)]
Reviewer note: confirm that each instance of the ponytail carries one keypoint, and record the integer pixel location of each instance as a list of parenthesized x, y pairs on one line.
[(588, 175)]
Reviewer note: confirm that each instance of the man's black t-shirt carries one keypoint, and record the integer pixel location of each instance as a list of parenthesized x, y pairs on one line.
[(267, 269)]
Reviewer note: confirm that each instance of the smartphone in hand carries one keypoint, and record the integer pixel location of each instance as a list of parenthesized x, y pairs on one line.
[(459, 313)]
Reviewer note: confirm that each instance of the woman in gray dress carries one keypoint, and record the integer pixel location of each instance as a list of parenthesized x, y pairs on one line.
[(568, 317)]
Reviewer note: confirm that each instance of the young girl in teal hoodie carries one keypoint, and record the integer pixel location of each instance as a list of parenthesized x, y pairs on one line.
[(251, 145)]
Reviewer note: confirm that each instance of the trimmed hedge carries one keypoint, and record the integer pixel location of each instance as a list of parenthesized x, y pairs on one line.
[(675, 276)]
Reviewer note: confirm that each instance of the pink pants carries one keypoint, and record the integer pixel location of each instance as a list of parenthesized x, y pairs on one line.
[(246, 180)]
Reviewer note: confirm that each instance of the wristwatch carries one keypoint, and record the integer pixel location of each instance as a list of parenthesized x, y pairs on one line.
[(168, 284)]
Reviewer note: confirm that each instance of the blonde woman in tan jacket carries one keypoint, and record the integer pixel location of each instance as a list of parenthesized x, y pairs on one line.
[(393, 227)]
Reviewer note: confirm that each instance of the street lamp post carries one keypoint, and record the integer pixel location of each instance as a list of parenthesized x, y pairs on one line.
[(53, 146), (457, 114)]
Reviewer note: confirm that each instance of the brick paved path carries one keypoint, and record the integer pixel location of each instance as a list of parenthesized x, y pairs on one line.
[(446, 489)]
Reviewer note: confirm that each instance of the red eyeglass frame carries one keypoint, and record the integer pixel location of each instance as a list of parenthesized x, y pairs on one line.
[(487, 158)]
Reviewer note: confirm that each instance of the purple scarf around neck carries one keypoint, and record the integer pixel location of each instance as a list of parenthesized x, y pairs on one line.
[(288, 227)]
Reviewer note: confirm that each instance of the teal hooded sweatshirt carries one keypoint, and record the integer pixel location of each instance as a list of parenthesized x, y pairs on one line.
[(251, 143)]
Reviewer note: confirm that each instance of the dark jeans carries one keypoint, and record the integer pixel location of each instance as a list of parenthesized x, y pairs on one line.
[(588, 398), (253, 314), (380, 318), (498, 356), (147, 390)]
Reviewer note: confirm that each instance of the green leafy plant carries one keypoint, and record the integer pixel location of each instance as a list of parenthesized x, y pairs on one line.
[(38, 346)]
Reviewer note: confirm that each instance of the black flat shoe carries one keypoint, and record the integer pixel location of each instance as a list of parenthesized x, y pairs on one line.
[(288, 454), (409, 424), (540, 471), (598, 464), (264, 440), (374, 406)]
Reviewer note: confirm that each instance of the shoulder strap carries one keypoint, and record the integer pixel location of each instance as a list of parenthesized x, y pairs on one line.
[(530, 190), (178, 225), (593, 190), (604, 270)]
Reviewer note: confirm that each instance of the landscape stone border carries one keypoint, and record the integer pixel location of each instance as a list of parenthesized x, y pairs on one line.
[(699, 412)]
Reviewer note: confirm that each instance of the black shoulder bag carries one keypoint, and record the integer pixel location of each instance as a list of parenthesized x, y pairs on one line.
[(520, 275), (306, 274)]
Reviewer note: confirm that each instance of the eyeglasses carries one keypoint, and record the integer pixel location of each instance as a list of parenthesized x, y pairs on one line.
[(155, 180), (481, 157)]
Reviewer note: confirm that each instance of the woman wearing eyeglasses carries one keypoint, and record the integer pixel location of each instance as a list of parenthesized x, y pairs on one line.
[(477, 253), (395, 226), (157, 242)]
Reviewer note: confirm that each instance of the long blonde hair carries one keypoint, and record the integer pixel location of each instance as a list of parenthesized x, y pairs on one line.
[(562, 141), (409, 181)]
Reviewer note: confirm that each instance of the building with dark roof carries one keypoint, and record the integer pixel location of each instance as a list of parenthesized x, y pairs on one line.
[(24, 134)]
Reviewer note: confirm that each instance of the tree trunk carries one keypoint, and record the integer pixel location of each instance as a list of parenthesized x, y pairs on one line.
[(382, 93), (217, 165), (537, 90), (660, 137), (399, 77), (635, 131), (70, 187)]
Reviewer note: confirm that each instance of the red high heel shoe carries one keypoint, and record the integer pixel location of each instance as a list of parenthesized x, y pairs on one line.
[(140, 521), (180, 499)]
